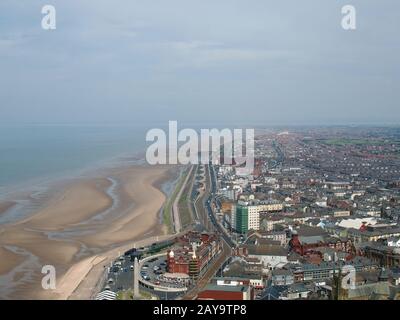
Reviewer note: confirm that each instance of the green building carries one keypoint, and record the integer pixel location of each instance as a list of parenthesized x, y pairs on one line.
[(242, 219)]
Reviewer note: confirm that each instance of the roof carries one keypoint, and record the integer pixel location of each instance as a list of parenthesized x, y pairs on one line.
[(367, 290), (266, 250), (282, 272), (378, 232), (330, 265), (308, 231), (311, 239), (227, 288)]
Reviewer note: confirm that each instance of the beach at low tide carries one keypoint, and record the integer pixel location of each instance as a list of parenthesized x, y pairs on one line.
[(80, 224)]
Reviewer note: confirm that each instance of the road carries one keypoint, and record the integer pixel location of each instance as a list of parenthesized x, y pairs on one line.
[(208, 219), (122, 274)]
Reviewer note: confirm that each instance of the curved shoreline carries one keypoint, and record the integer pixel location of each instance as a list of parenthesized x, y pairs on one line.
[(135, 216)]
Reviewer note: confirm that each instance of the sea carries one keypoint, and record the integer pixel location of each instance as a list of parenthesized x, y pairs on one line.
[(35, 154)]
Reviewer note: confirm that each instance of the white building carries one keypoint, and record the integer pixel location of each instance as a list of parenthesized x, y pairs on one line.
[(254, 217), (271, 256)]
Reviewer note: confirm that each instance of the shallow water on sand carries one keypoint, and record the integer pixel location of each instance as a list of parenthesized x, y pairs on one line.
[(34, 153), (34, 157)]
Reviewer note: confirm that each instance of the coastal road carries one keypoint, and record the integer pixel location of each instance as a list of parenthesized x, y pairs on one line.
[(207, 218)]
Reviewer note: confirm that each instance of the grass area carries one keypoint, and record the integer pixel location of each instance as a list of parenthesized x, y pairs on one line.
[(167, 213), (184, 202), (167, 219), (147, 295), (125, 295)]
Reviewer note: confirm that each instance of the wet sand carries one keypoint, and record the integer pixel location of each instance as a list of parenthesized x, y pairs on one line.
[(8, 260), (78, 227), (79, 202), (5, 205)]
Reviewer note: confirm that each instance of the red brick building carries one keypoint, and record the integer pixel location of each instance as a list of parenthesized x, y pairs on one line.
[(192, 253), (311, 247), (226, 292)]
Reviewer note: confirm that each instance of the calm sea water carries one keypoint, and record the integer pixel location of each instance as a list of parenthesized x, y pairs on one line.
[(32, 152)]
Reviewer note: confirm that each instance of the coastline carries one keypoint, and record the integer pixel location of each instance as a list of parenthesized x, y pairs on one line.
[(79, 226)]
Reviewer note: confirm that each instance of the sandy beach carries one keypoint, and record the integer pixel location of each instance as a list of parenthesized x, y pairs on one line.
[(8, 260), (80, 226)]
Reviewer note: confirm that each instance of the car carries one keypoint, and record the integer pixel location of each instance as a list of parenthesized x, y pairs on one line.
[(157, 283), (131, 267), (146, 277), (155, 268), (115, 269), (163, 264)]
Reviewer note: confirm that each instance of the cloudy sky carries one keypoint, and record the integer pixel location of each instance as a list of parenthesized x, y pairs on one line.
[(200, 61)]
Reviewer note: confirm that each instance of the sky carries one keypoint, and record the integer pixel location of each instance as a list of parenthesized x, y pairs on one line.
[(206, 62)]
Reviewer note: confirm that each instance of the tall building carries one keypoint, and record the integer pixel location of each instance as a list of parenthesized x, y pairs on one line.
[(242, 219), (254, 217), (247, 218)]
